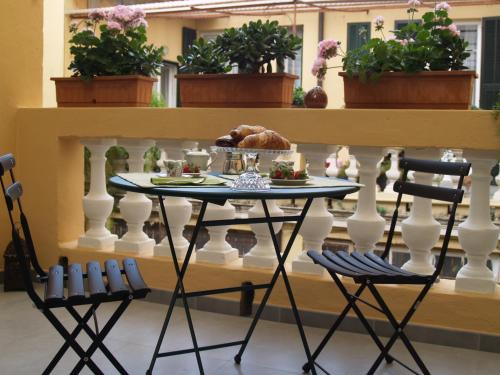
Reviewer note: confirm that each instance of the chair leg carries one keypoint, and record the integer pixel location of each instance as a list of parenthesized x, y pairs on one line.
[(72, 342), (96, 339), (50, 367), (398, 328), (100, 337)]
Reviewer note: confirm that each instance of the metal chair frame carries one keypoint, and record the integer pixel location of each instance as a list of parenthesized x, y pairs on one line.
[(370, 269), (114, 291)]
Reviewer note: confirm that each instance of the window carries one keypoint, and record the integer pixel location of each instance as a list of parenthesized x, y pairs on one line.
[(357, 34), (295, 66), (167, 83), (490, 67), (399, 24), (470, 31)]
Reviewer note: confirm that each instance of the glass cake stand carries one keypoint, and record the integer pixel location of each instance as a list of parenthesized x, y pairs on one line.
[(251, 179)]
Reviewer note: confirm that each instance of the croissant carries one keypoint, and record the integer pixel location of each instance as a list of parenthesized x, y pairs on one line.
[(268, 139), (244, 130), (226, 141)]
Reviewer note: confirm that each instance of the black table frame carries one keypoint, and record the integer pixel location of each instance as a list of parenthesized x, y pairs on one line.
[(180, 292)]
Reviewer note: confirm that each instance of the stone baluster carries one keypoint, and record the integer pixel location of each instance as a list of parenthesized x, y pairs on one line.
[(217, 250), (352, 169), (97, 204), (332, 170), (179, 209), (393, 173), (135, 207), (478, 236), (263, 255), (420, 230), (366, 226)]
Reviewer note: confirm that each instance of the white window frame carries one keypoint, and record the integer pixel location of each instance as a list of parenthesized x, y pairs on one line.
[(171, 97), (479, 53)]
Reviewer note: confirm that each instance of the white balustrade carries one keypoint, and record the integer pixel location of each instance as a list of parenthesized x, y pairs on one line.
[(263, 254), (393, 173), (333, 169), (478, 236), (97, 204), (420, 230), (366, 226), (352, 169), (217, 250), (135, 207)]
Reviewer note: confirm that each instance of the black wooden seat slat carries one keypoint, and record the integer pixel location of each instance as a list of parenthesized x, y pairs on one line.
[(359, 263), (375, 258), (75, 282), (55, 284), (329, 265), (94, 274), (115, 280), (370, 263), (134, 277), (346, 265)]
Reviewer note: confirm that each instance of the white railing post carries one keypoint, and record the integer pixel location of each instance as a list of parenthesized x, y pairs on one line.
[(478, 236), (135, 207), (263, 255), (393, 173), (178, 209), (217, 250), (366, 226), (352, 170), (97, 204), (420, 230)]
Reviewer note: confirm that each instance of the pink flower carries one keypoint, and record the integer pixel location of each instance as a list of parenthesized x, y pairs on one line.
[(97, 14), (327, 48), (138, 13), (404, 42), (454, 29), (139, 22), (113, 25), (391, 37), (319, 67), (443, 6), (121, 14), (414, 3), (379, 22)]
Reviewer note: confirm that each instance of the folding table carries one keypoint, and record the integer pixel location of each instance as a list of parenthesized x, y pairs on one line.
[(219, 195)]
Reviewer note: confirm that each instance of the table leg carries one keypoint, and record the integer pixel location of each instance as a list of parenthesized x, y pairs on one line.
[(281, 270), (179, 285)]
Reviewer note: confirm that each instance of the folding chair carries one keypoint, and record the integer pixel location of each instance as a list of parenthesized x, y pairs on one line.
[(369, 269), (98, 292)]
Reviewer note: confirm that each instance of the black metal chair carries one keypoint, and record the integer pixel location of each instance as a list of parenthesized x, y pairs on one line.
[(99, 291), (369, 269)]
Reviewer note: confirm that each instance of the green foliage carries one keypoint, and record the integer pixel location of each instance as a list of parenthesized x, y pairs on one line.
[(204, 57), (255, 45), (113, 52), (496, 107), (157, 100), (434, 44), (298, 96)]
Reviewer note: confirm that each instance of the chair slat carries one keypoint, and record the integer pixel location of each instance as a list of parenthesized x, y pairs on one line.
[(13, 193), (368, 262), (94, 274), (434, 166), (55, 283), (375, 258), (431, 192), (113, 273), (330, 266), (358, 263), (134, 277), (7, 162), (75, 282), (346, 265)]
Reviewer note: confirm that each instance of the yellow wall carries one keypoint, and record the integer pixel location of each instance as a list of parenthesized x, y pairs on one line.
[(167, 32), (53, 48), (20, 76)]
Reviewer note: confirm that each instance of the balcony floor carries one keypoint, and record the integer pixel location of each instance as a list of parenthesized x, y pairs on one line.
[(28, 343)]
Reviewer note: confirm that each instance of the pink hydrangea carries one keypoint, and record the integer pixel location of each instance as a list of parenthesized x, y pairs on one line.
[(379, 21), (113, 25), (454, 29), (414, 3), (327, 48), (139, 22), (97, 14), (121, 14), (319, 67), (443, 6)]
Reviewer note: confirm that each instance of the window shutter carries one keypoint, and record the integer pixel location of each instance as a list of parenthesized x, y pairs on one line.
[(188, 37), (355, 37), (490, 70)]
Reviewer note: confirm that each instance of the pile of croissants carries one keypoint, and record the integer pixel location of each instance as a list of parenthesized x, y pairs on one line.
[(253, 136)]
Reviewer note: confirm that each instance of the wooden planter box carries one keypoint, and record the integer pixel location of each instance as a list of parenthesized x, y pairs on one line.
[(236, 90), (107, 91), (424, 90)]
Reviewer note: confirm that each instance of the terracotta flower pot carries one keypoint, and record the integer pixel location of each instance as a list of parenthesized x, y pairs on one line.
[(236, 90), (107, 91), (316, 98), (424, 90)]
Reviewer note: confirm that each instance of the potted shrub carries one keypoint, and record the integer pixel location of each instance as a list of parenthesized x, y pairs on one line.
[(419, 66), (253, 48), (112, 63)]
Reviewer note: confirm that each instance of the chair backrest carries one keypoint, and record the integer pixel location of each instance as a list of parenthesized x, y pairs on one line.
[(12, 193), (454, 196)]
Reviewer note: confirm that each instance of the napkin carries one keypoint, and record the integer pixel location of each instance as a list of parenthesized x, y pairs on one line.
[(196, 181)]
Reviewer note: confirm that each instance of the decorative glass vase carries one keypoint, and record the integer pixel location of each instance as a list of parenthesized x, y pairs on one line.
[(316, 98)]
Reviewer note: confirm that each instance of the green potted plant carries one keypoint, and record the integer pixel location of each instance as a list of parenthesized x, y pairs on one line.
[(418, 66), (253, 48), (112, 63)]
